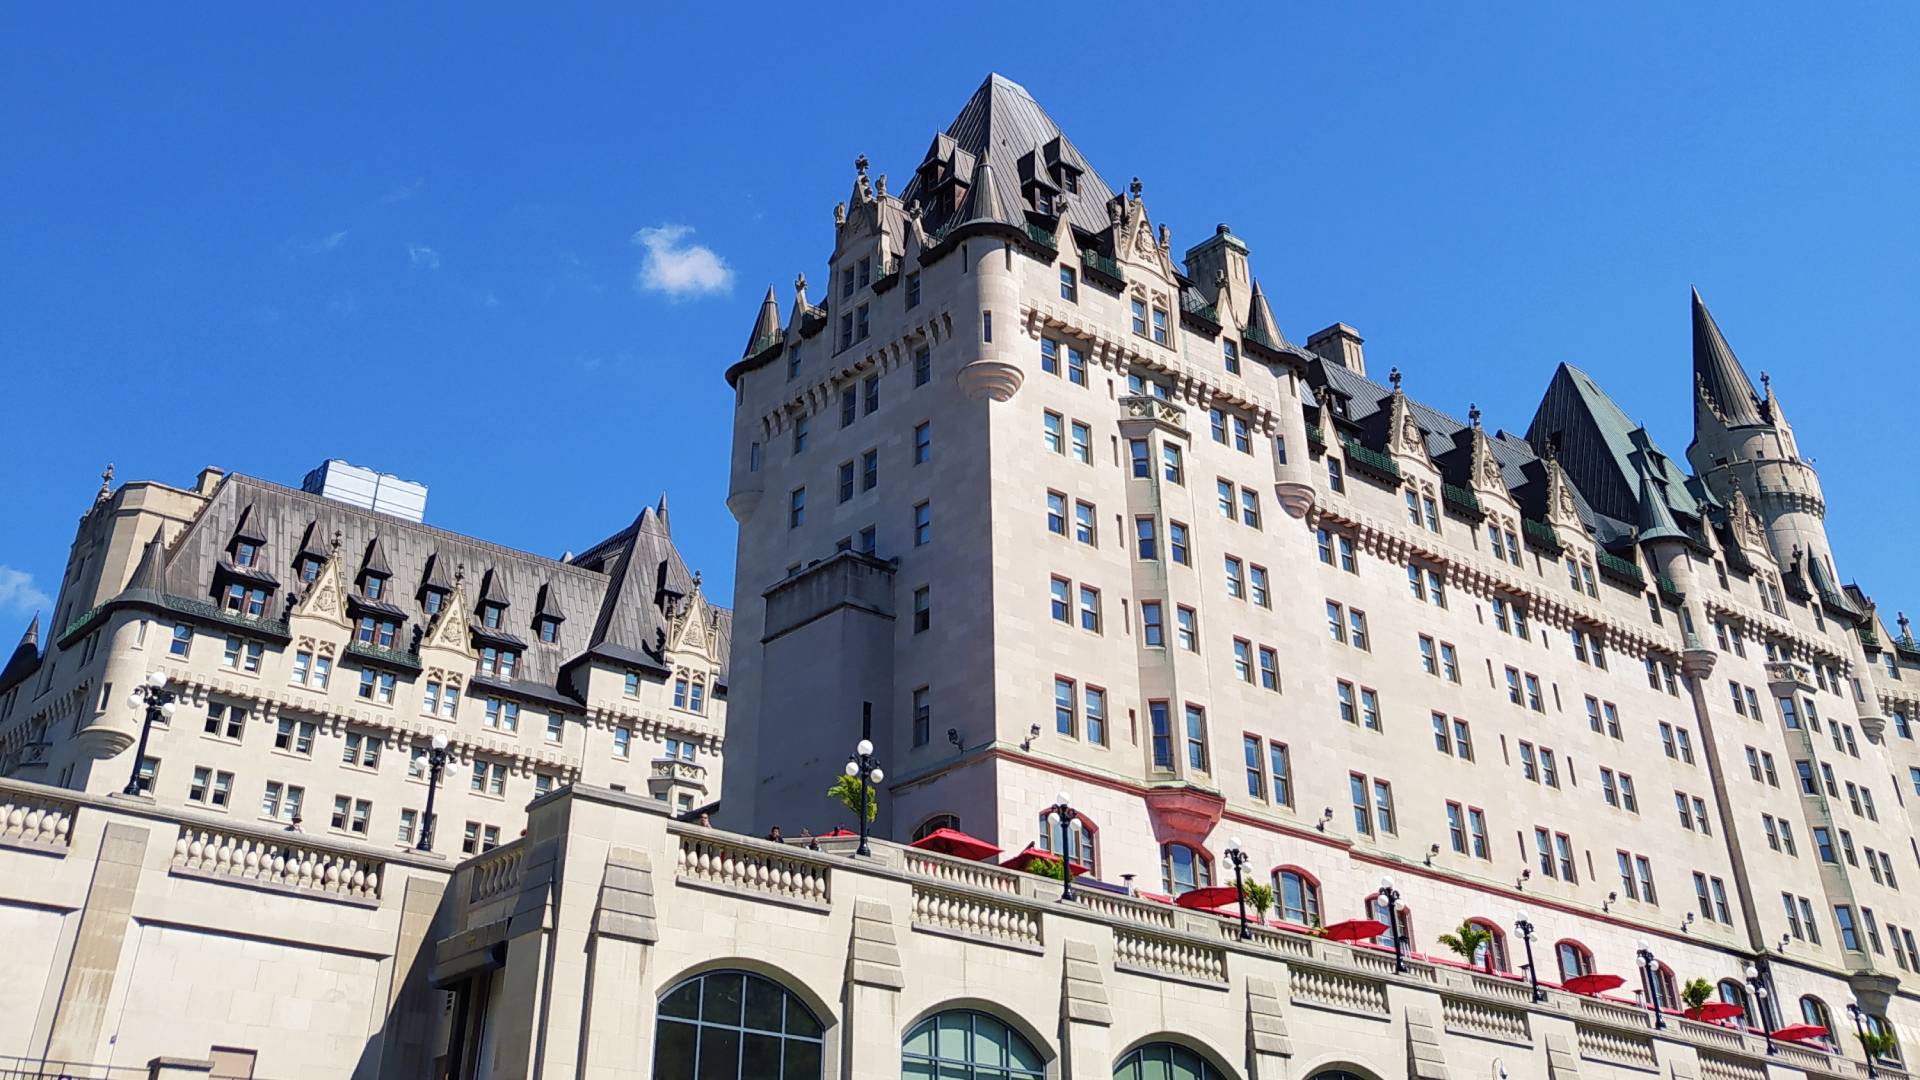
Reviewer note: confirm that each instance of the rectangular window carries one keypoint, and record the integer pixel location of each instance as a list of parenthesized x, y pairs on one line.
[(1236, 583), (1253, 752), (1196, 738), (1084, 529), (1186, 624), (1147, 544), (1082, 443), (1269, 668), (922, 609), (1142, 463), (1065, 716), (1171, 469), (1257, 577), (796, 507), (922, 717), (1094, 713), (922, 524), (922, 443), (1152, 632), (1089, 608), (1161, 734), (923, 356), (1280, 768)]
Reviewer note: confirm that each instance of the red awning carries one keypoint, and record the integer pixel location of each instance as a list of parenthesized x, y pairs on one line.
[(1356, 930), (1593, 984), (1801, 1032), (1032, 854), (1208, 898), (1716, 1011), (956, 843)]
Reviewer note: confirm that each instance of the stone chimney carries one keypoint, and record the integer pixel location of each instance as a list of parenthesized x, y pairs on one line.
[(210, 478), (1340, 344)]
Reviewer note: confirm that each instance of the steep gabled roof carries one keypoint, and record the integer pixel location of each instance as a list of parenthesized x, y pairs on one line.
[(1603, 452), (1717, 374), (999, 125), (766, 327)]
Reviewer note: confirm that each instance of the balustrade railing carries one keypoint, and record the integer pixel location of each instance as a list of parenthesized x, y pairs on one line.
[(242, 857), (1127, 910), (952, 871), (1333, 990), (1152, 954), (745, 867), (34, 821), (1618, 1047), (1466, 1016), (498, 872), (995, 921)]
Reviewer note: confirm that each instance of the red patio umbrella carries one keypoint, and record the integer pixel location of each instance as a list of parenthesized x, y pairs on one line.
[(837, 831), (1716, 1011), (1593, 984), (1356, 930), (1032, 854), (956, 843), (1207, 899), (1801, 1032)]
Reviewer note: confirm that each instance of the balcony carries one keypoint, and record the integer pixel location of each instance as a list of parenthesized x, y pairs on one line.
[(1541, 535), (1098, 267), (404, 660), (1621, 570), (1316, 436), (1669, 591), (1042, 237), (1259, 337), (1158, 410), (1463, 501), (1200, 310), (1372, 461)]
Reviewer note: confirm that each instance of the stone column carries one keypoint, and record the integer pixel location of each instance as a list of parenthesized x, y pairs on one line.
[(1425, 1060), (80, 1016), (1268, 1044), (618, 1014), (520, 1003), (871, 1041), (1085, 1015)]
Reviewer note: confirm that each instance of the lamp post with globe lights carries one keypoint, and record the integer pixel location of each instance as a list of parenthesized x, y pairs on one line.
[(431, 760), (1650, 970), (1061, 818), (1860, 1031), (1524, 927), (1392, 897), (1758, 987), (866, 768), (1237, 855), (157, 700)]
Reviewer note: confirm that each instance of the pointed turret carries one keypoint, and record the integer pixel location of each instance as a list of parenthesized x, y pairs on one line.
[(1655, 520), (766, 327), (983, 198), (1720, 385), (1261, 325), (149, 574), (26, 656), (660, 512)]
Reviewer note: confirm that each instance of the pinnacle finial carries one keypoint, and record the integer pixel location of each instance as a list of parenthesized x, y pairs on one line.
[(1902, 620), (1135, 187), (459, 572), (1393, 376), (880, 184), (106, 481), (333, 545), (914, 211), (696, 579), (1766, 382), (860, 165), (1473, 414), (800, 284)]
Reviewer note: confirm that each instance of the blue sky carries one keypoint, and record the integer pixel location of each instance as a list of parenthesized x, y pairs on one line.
[(511, 257)]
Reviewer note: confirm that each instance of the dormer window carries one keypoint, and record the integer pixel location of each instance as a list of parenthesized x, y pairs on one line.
[(547, 629), (498, 662), (245, 553), (308, 568), (1043, 202), (433, 601), (1070, 180), (490, 615), (375, 631), (1159, 325), (373, 585), (248, 600)]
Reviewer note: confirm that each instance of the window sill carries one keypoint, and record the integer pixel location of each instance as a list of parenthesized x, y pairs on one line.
[(294, 754)]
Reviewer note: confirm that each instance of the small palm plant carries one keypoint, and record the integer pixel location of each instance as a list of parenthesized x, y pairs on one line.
[(849, 792), (1877, 1044), (1696, 993), (1467, 940), (1259, 897)]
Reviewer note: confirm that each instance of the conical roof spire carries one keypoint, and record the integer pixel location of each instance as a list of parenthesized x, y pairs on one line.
[(149, 574), (1655, 520), (983, 197), (1720, 384), (1260, 320), (766, 326), (26, 655)]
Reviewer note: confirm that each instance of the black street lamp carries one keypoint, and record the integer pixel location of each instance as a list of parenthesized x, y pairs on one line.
[(157, 700), (1860, 1030), (867, 768), (1758, 988), (1650, 973), (1238, 857), (1061, 819), (1392, 896), (432, 759), (1524, 927)]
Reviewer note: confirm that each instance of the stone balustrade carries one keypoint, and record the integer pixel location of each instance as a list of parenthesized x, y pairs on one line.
[(271, 859), (1126, 909), (983, 918), (1615, 1046), (953, 871), (754, 867), (35, 821), (1334, 990), (1480, 1019), (497, 873), (1155, 954)]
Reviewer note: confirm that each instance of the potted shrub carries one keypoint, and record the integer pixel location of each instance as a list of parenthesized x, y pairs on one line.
[(846, 789), (1467, 940), (1877, 1044), (1259, 897), (1696, 993)]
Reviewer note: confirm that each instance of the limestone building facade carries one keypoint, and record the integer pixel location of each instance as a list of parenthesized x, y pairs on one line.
[(316, 649), (1076, 517)]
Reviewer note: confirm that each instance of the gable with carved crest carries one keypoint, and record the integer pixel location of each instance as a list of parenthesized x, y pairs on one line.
[(326, 598), (448, 632)]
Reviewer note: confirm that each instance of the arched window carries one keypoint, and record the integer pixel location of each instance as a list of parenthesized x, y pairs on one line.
[(1297, 895), (1081, 848), (1377, 911), (1814, 1011), (1492, 955), (961, 1044), (1183, 869), (1733, 993), (1665, 990), (735, 1026), (1165, 1061), (934, 824), (1878, 1025), (1575, 959)]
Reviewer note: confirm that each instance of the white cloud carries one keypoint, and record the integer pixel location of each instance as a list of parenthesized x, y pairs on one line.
[(325, 244), (401, 193), (678, 268), (19, 594), (422, 255)]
